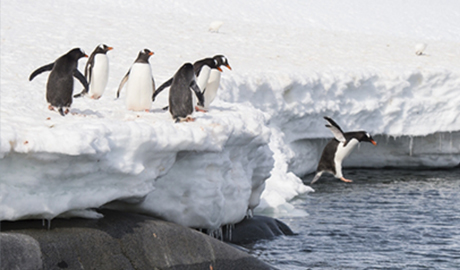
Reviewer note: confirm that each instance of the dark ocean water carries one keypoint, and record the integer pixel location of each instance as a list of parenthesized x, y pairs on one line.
[(385, 219)]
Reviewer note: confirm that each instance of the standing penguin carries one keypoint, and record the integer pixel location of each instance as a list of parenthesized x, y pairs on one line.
[(338, 149), (210, 90), (96, 72), (59, 87), (180, 96), (207, 71), (141, 85)]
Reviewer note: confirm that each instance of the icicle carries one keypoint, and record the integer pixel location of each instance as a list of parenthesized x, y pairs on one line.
[(49, 223), (43, 222), (440, 142), (411, 144), (249, 213), (229, 228)]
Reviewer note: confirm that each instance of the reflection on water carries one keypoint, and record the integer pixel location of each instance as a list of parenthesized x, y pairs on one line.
[(385, 219)]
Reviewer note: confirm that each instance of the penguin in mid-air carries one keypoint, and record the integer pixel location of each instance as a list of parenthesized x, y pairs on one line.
[(207, 72), (140, 84), (338, 149), (180, 95), (96, 72), (59, 88)]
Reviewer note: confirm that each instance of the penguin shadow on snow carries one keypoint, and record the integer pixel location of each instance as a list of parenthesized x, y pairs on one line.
[(86, 112)]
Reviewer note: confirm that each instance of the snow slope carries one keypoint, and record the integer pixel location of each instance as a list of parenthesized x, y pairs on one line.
[(291, 65)]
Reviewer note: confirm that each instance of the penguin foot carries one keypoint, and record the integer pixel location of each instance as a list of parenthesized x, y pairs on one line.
[(200, 109), (189, 119), (346, 180), (51, 107)]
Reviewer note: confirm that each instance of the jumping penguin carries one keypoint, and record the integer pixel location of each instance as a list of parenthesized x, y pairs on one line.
[(59, 88), (180, 96), (338, 149), (96, 72), (140, 86)]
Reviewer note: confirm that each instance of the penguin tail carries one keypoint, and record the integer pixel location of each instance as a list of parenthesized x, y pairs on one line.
[(317, 176), (61, 111), (165, 108)]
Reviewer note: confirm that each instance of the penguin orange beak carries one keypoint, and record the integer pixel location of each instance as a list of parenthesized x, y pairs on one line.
[(110, 48), (219, 69), (373, 142), (150, 53), (86, 55), (228, 66)]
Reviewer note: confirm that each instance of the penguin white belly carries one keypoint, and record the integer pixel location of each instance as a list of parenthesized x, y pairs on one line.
[(139, 88), (99, 76), (341, 153), (201, 81), (211, 87), (203, 77)]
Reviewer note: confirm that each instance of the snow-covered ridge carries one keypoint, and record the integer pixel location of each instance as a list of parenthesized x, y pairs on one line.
[(84, 162)]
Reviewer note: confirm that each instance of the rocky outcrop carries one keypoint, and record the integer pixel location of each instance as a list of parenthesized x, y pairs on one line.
[(117, 241)]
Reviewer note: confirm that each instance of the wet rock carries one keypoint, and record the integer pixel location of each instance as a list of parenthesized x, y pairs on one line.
[(117, 241), (252, 229)]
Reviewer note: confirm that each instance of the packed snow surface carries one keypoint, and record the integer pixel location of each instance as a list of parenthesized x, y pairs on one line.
[(292, 63)]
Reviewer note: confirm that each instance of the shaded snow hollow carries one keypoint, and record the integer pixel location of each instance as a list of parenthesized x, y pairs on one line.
[(292, 65)]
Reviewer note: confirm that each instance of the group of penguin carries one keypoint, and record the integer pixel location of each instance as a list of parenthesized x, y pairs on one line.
[(203, 77)]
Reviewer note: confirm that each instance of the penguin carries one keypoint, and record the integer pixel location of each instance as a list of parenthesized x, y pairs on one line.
[(59, 88), (180, 96), (97, 72), (140, 83), (210, 90), (338, 149), (207, 71)]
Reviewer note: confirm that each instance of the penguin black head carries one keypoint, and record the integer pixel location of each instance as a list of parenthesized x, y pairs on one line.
[(76, 53), (143, 56), (221, 61), (103, 49), (363, 136), (187, 70)]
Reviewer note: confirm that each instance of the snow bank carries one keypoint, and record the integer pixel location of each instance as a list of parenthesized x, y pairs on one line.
[(291, 65), (79, 162)]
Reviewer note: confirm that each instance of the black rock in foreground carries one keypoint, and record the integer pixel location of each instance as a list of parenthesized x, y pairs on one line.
[(118, 241)]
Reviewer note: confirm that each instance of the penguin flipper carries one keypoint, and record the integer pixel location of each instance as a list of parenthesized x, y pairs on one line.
[(317, 176), (198, 93), (77, 74), (335, 129), (161, 88), (89, 67), (122, 83), (40, 70)]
